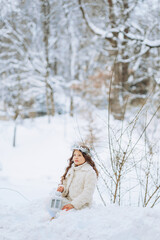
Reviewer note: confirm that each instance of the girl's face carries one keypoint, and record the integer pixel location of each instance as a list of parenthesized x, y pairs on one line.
[(78, 158)]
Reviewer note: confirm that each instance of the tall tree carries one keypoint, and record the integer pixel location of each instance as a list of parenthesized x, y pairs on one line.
[(45, 10), (125, 47)]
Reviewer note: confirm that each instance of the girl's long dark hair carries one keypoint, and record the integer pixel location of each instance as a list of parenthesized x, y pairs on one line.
[(88, 159)]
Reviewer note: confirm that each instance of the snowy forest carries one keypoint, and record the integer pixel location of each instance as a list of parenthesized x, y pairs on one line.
[(80, 71), (54, 53)]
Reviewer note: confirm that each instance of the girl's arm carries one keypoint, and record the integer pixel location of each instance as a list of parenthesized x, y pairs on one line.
[(63, 186), (60, 188), (87, 194)]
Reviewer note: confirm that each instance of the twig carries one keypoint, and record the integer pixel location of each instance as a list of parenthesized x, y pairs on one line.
[(16, 192)]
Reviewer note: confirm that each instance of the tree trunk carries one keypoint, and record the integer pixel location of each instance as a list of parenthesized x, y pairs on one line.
[(120, 70), (45, 9), (14, 135)]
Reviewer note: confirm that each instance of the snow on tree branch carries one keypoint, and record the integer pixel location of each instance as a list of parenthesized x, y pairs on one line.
[(144, 50), (109, 35), (152, 44), (92, 27), (149, 43)]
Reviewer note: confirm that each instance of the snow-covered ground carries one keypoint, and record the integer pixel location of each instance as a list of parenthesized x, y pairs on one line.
[(31, 221), (33, 169)]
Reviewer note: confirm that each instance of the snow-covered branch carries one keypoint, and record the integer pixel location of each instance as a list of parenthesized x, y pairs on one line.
[(149, 43), (109, 33), (128, 60), (98, 31)]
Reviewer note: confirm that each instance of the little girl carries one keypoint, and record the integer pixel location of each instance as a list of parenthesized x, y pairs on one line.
[(79, 180)]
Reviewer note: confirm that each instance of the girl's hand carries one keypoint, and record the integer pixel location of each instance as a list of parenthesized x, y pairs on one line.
[(67, 207), (60, 189)]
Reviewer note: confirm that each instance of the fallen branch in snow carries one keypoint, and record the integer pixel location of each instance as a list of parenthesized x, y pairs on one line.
[(16, 192)]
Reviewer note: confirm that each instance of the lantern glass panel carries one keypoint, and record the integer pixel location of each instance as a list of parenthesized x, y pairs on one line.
[(52, 203), (57, 203)]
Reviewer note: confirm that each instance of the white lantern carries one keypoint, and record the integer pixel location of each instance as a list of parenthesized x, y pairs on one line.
[(56, 204)]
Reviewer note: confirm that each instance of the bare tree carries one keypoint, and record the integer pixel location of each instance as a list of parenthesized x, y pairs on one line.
[(124, 44), (120, 163)]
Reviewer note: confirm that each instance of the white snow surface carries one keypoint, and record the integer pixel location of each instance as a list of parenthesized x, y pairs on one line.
[(32, 170), (98, 223)]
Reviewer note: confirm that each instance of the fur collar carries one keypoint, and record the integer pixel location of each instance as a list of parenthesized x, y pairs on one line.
[(84, 167)]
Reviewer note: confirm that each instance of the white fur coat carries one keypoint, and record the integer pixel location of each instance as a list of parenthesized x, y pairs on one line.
[(79, 185)]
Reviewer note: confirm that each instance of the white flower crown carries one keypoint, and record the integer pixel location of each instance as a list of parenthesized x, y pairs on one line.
[(82, 149)]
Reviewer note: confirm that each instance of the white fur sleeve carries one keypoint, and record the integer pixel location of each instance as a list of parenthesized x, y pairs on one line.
[(87, 194)]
